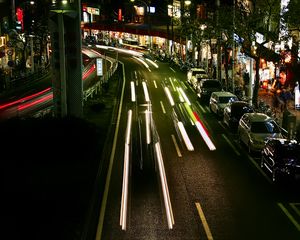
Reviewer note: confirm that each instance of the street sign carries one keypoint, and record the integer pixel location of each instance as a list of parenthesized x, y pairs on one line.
[(99, 66)]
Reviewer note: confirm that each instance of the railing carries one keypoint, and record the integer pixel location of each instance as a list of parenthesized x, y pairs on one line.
[(97, 87)]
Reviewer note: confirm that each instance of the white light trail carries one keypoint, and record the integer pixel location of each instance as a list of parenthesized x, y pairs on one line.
[(146, 93), (180, 96), (184, 96), (205, 137), (143, 62), (164, 184), (172, 84), (185, 137), (133, 98), (148, 134), (124, 200), (154, 83), (153, 63), (169, 96)]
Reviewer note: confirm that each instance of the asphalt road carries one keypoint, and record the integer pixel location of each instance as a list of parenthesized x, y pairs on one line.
[(219, 194)]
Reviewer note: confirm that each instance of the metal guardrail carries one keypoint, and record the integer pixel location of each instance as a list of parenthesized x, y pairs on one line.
[(97, 87)]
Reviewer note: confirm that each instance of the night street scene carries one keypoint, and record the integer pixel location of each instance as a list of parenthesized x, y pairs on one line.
[(150, 119)]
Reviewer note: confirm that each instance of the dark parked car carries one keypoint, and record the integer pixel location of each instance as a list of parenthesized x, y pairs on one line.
[(206, 87), (281, 157), (234, 111)]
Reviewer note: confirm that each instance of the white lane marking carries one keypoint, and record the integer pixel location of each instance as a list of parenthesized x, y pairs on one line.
[(176, 146), (293, 206), (204, 222), (290, 217), (231, 145), (222, 124), (154, 83), (162, 107), (202, 109), (259, 169), (172, 69)]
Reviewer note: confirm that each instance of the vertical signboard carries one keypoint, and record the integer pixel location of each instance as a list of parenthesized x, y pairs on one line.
[(99, 66)]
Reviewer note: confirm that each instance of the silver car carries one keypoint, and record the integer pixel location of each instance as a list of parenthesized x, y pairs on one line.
[(219, 100), (255, 128)]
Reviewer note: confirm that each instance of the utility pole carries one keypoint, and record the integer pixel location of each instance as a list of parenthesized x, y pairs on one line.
[(65, 32)]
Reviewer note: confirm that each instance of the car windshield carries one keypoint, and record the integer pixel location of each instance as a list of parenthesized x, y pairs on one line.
[(227, 99), (211, 84), (265, 127), (198, 72)]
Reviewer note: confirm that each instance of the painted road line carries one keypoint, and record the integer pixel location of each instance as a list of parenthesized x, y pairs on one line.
[(172, 69), (231, 145), (162, 107), (154, 83), (204, 222), (222, 124), (295, 208), (291, 218), (202, 109), (259, 169), (111, 161), (176, 146)]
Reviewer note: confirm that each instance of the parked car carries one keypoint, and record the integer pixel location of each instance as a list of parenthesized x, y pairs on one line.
[(206, 87), (234, 111), (281, 157), (254, 128), (218, 101), (194, 75)]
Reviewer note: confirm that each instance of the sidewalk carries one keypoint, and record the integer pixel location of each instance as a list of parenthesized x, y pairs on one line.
[(281, 116)]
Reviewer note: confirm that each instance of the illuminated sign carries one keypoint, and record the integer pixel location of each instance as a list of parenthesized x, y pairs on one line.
[(99, 65), (94, 11)]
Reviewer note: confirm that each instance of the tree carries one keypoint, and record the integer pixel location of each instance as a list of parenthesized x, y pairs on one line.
[(258, 17), (292, 27)]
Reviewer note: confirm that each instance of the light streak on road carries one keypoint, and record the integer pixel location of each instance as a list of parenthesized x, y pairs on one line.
[(167, 91), (143, 62), (172, 84), (133, 98), (154, 83), (146, 93), (184, 96), (203, 133), (89, 72), (204, 222), (162, 107), (180, 96), (164, 184), (35, 102), (25, 98), (148, 134), (153, 63), (185, 137), (124, 200)]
